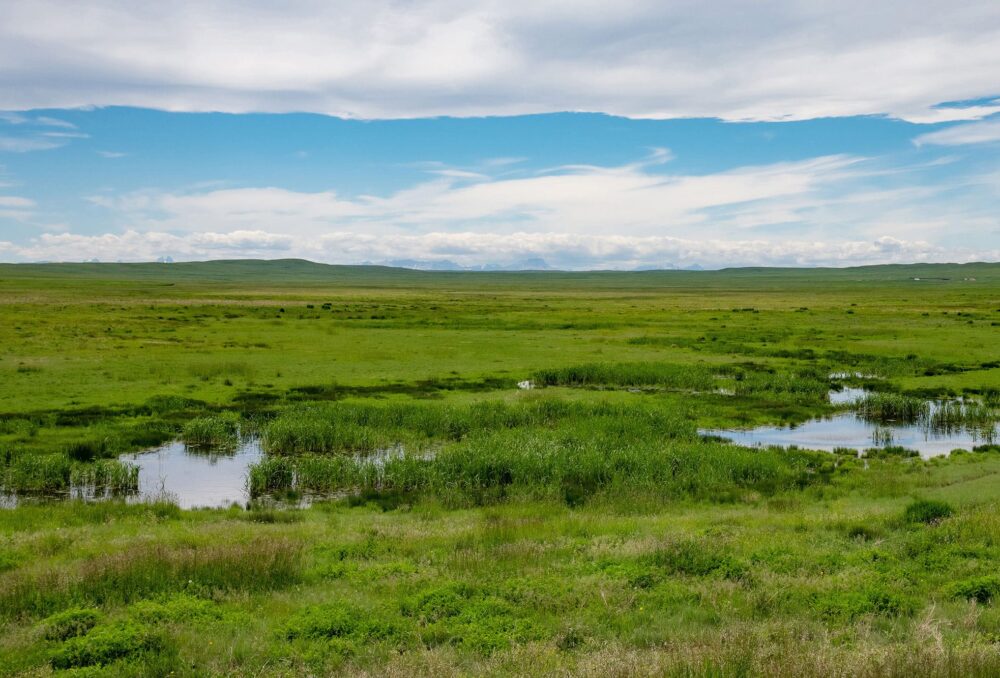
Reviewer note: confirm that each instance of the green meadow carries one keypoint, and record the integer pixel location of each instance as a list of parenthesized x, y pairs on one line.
[(416, 512)]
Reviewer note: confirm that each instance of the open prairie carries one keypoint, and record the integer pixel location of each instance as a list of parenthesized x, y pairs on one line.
[(497, 473)]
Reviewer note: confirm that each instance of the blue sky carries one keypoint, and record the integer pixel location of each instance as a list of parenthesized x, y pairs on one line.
[(449, 139)]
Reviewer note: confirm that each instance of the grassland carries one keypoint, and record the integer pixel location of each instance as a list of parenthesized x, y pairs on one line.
[(580, 527)]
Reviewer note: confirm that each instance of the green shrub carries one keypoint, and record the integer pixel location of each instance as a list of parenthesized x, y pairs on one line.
[(879, 600), (439, 603), (107, 644), (697, 559), (981, 589), (927, 511), (177, 608), (340, 620), (70, 623)]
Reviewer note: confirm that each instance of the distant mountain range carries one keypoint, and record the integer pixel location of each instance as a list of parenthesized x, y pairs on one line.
[(530, 264)]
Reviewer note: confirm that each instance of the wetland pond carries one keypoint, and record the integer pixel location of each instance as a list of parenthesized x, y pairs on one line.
[(849, 430), (195, 477), (192, 477)]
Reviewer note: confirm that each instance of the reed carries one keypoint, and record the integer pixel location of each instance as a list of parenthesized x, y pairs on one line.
[(567, 464), (891, 407), (142, 571), (106, 476), (212, 431), (22, 472), (664, 375)]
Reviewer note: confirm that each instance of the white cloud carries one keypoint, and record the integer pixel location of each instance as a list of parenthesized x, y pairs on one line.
[(28, 144), (637, 199), (16, 208), (782, 59), (564, 250), (973, 133), (834, 210), (34, 133), (15, 201)]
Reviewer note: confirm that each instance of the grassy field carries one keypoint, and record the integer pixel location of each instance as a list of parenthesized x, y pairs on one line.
[(580, 527)]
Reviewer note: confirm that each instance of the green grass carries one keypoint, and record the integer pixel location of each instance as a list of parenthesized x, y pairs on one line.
[(213, 431), (452, 524), (891, 407)]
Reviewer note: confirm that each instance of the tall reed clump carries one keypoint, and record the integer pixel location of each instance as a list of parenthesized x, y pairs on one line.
[(366, 427), (139, 572), (105, 476), (271, 474), (619, 450), (24, 472), (891, 407), (799, 385), (975, 417), (220, 430), (664, 375)]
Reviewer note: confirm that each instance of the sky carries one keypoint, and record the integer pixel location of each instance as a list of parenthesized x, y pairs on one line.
[(479, 134)]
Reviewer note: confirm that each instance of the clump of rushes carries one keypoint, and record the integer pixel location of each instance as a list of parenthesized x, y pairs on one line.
[(35, 473), (366, 427), (146, 570), (106, 476), (974, 417), (685, 377), (271, 474), (891, 407), (570, 463), (927, 511), (802, 386), (664, 375), (220, 430), (882, 435)]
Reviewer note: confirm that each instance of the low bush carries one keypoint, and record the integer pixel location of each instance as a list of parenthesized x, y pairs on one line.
[(107, 644), (981, 589), (341, 620), (877, 600), (70, 623), (927, 511)]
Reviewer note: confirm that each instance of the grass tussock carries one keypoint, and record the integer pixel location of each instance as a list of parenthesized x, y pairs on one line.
[(261, 564), (366, 427), (220, 430), (571, 466), (42, 474), (891, 407), (664, 375), (927, 511)]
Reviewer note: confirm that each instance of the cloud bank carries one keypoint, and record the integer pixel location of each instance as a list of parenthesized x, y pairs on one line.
[(831, 210), (476, 250), (736, 60)]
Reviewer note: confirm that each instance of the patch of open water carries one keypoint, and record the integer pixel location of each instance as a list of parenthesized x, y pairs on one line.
[(847, 430), (191, 477)]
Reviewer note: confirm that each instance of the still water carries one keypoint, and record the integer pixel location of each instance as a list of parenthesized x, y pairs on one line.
[(194, 478), (847, 430)]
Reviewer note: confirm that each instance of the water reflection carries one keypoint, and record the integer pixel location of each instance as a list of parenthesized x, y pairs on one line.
[(847, 430), (195, 477)]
